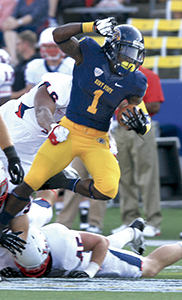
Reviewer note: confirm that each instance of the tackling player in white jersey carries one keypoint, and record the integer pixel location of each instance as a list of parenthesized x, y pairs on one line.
[(55, 251), (29, 120), (6, 77)]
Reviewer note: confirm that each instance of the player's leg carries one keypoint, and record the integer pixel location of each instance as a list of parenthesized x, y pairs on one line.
[(41, 210), (105, 171), (148, 180), (133, 234), (101, 165), (134, 262), (160, 258)]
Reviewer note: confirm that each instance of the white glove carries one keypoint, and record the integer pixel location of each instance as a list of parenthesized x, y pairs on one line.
[(57, 134), (105, 27)]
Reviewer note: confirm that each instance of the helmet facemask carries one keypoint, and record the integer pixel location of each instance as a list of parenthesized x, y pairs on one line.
[(50, 51)]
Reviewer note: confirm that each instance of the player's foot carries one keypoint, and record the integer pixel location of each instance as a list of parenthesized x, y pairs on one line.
[(138, 243), (151, 231), (138, 223)]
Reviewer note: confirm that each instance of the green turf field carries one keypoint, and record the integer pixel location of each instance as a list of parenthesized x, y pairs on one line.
[(46, 295), (171, 225)]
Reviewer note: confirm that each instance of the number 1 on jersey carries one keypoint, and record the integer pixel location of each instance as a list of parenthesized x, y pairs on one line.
[(92, 108)]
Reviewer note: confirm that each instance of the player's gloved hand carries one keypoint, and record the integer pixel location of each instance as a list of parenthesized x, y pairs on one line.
[(14, 168), (12, 241), (135, 121), (57, 134), (78, 274), (10, 273), (105, 27)]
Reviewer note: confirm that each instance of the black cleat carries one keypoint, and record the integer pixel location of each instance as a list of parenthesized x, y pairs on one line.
[(138, 223), (138, 243)]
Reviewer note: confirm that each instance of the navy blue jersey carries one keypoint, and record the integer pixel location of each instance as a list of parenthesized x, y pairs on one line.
[(96, 91)]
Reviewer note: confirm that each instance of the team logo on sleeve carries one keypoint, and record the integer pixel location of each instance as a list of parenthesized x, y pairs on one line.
[(98, 72)]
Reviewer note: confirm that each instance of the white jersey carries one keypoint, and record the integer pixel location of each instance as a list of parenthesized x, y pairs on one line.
[(66, 252), (21, 120), (37, 67), (6, 80)]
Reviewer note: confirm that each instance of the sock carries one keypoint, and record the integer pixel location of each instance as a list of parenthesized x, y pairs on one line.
[(60, 181), (121, 238)]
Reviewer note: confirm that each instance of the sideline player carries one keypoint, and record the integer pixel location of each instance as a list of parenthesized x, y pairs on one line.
[(96, 92)]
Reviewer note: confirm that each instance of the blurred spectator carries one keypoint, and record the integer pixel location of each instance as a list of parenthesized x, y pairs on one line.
[(27, 14), (6, 9), (6, 77), (53, 5), (52, 60), (138, 160), (26, 51)]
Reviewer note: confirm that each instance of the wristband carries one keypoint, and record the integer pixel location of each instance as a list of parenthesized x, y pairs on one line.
[(92, 269), (87, 27), (10, 152)]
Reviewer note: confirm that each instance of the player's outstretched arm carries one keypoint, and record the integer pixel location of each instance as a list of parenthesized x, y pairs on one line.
[(64, 35)]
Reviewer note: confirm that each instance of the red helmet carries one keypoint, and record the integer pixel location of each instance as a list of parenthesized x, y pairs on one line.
[(3, 184), (34, 260), (48, 48)]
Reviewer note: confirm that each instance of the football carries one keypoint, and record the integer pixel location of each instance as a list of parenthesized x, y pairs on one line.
[(124, 109)]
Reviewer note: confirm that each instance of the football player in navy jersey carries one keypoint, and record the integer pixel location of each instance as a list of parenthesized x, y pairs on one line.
[(102, 78)]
